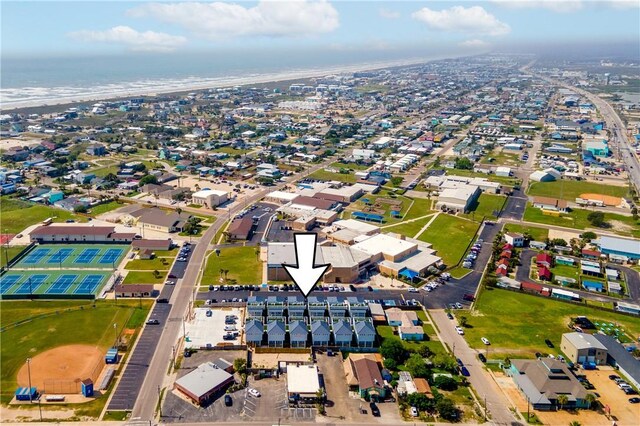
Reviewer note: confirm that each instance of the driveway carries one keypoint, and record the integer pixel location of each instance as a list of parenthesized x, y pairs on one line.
[(482, 382)]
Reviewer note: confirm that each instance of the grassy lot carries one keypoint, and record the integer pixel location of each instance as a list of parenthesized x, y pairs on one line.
[(510, 181), (241, 262), (450, 236), (59, 329), (325, 175), (167, 253), (144, 277), (518, 323), (106, 207), (18, 215), (577, 218), (486, 206), (103, 171), (354, 166), (148, 265), (571, 189), (411, 207), (409, 229), (502, 158), (566, 271), (459, 272), (9, 252), (538, 234)]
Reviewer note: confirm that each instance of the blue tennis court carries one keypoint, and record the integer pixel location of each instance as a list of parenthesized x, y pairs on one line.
[(89, 284), (31, 286), (111, 255), (36, 256), (60, 256), (7, 282), (62, 284), (87, 255)]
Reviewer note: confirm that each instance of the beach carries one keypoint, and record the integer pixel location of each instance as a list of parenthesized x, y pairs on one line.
[(20, 98)]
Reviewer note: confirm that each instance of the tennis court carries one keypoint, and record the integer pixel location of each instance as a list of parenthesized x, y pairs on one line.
[(73, 256), (24, 284)]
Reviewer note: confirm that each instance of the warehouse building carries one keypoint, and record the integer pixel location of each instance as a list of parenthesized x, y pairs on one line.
[(209, 198), (79, 233), (583, 348), (303, 382), (619, 247), (458, 199), (203, 383), (619, 357)]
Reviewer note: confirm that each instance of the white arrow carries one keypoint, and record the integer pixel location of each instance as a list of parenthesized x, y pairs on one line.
[(304, 273)]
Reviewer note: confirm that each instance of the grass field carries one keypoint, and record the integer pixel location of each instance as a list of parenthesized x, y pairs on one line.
[(18, 215), (148, 265), (518, 323), (103, 171), (411, 207), (325, 175), (486, 206), (450, 236), (144, 277), (571, 189), (9, 253), (106, 207), (31, 338), (241, 262), (408, 229), (509, 181), (577, 218), (566, 271), (538, 234), (354, 166)]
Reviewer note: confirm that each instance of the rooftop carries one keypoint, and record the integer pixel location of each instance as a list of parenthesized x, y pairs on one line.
[(583, 341), (204, 378), (302, 379)]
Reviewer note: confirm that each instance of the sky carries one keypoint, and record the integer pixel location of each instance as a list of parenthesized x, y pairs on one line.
[(54, 28)]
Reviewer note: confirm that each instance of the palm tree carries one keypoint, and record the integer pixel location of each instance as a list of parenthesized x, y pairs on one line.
[(590, 398), (221, 272), (257, 253), (226, 272), (562, 400), (575, 422)]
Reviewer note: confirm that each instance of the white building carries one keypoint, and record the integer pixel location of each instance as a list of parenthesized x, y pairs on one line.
[(459, 199), (209, 198)]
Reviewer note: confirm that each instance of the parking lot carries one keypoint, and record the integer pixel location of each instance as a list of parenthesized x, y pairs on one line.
[(208, 327), (262, 213)]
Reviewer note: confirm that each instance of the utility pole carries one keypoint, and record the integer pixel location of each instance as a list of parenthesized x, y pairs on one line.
[(485, 408), (29, 374), (115, 331)]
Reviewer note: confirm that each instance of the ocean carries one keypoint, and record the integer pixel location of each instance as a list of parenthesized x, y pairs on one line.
[(51, 80)]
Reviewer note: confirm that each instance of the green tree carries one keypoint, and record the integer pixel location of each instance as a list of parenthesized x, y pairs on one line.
[(192, 226), (590, 398), (147, 179), (393, 348), (588, 236), (390, 364), (596, 219), (444, 362), (463, 163), (575, 423), (396, 181), (447, 409), (420, 401), (462, 320), (240, 365), (562, 400), (80, 208), (417, 367), (445, 383)]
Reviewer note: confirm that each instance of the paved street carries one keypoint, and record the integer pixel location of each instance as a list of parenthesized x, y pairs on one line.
[(482, 382)]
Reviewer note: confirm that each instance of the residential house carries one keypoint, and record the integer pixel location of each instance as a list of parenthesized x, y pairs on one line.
[(342, 333), (365, 333), (514, 238), (298, 334), (254, 330), (320, 333), (553, 204), (363, 375), (276, 333)]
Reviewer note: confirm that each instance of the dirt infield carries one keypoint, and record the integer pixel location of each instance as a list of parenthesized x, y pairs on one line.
[(608, 200), (64, 363)]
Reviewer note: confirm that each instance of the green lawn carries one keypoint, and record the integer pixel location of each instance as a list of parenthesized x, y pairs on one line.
[(103, 171), (325, 175), (450, 236), (577, 218), (354, 166), (538, 234), (106, 207), (486, 206), (509, 181), (144, 277), (571, 189), (18, 215), (518, 323), (411, 207), (241, 262), (167, 253), (148, 265), (502, 158), (9, 252), (29, 339), (408, 229), (566, 271)]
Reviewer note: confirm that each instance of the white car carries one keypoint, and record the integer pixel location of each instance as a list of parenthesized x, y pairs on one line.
[(413, 290), (229, 328), (485, 341), (459, 330), (254, 392), (414, 412)]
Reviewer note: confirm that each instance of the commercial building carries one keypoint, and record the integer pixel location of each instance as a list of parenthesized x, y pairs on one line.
[(303, 382), (548, 203), (514, 238), (583, 348), (619, 247), (458, 199), (345, 194), (156, 219), (209, 198), (79, 233), (619, 357), (203, 383), (240, 229), (440, 183), (543, 380)]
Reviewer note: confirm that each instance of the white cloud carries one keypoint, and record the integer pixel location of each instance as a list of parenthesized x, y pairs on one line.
[(267, 18), (473, 20), (388, 14), (135, 40), (475, 43), (567, 6)]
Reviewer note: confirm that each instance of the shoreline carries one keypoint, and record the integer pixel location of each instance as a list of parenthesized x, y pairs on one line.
[(209, 83)]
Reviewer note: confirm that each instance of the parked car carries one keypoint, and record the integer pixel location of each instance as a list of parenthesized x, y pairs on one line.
[(414, 412), (459, 330), (228, 401), (464, 371), (634, 400), (153, 322), (482, 358), (413, 290), (485, 341), (459, 305), (253, 392), (162, 300), (548, 343), (613, 377), (449, 315)]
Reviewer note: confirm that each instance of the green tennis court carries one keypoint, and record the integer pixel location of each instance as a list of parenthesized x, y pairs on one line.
[(74, 256)]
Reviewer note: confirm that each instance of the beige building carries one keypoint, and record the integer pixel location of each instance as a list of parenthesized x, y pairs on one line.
[(582, 347), (209, 198)]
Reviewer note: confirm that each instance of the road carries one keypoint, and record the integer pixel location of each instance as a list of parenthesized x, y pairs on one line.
[(147, 398), (484, 385), (614, 123)]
